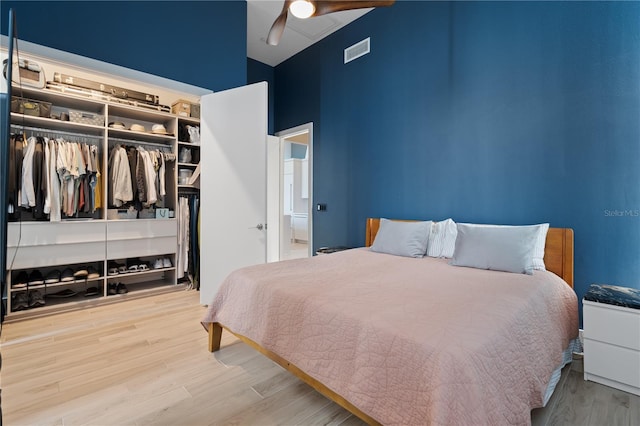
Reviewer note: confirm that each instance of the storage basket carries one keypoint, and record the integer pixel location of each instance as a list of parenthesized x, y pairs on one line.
[(30, 107), (86, 117), (114, 214)]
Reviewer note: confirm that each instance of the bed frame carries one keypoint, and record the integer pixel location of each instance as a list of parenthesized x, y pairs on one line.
[(558, 258)]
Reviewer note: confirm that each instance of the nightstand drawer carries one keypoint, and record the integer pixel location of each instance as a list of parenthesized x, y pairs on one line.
[(612, 324), (611, 362)]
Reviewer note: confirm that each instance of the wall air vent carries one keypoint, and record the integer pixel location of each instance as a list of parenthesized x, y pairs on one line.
[(361, 48)]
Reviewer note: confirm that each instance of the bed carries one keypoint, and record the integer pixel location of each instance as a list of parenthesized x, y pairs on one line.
[(383, 337)]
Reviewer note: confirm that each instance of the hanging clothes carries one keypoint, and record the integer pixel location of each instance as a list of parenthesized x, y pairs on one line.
[(16, 143), (182, 263), (120, 177), (51, 178)]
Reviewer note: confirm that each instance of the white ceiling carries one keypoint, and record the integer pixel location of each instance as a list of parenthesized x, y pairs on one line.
[(298, 34)]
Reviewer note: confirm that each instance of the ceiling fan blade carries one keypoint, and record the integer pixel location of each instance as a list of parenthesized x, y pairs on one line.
[(275, 33), (324, 7)]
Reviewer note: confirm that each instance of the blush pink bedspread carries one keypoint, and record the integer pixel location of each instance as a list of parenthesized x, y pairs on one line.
[(408, 341)]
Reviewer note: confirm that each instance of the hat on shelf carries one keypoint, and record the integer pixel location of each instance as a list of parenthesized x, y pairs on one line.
[(137, 128), (117, 125), (158, 129)]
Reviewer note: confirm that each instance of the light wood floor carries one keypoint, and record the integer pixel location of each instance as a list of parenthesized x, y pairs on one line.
[(145, 362)]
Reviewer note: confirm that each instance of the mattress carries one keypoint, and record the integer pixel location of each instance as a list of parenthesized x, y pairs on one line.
[(405, 340)]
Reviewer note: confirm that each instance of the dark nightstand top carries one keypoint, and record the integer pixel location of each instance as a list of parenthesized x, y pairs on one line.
[(614, 295)]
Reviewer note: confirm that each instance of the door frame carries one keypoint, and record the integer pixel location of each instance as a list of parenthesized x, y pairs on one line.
[(283, 135)]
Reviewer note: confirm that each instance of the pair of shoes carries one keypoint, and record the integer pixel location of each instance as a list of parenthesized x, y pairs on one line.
[(162, 263), (91, 291), (21, 280), (62, 293), (36, 299), (67, 275), (80, 274), (52, 277), (92, 273), (116, 288), (116, 268), (19, 301), (136, 265), (87, 273), (35, 277)]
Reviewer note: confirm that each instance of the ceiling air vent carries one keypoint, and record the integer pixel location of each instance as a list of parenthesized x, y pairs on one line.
[(359, 49)]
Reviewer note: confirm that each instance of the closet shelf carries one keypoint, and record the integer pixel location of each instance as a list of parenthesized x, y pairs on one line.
[(15, 289), (17, 120), (133, 274)]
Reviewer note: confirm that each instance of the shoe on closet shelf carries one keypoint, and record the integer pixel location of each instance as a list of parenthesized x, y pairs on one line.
[(67, 275), (81, 274), (62, 294), (21, 280), (112, 289), (35, 299), (19, 301), (92, 273), (166, 263), (91, 291), (143, 266), (112, 268), (35, 277), (121, 288), (158, 264), (52, 277)]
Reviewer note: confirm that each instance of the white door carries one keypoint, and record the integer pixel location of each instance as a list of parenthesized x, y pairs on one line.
[(233, 186)]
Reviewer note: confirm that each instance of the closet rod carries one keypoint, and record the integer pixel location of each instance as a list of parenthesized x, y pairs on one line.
[(19, 127), (132, 142)]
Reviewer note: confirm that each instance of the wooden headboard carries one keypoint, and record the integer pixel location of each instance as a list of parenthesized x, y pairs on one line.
[(558, 251)]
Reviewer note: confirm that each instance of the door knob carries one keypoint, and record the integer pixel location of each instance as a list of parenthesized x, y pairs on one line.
[(259, 227)]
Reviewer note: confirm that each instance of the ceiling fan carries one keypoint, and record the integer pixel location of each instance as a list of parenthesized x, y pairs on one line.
[(308, 8)]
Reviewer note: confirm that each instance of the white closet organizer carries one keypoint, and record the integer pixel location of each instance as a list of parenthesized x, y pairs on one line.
[(143, 251), (189, 162)]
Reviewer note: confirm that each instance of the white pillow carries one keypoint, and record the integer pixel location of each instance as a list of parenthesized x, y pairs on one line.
[(541, 242), (442, 239), (402, 238), (499, 248)]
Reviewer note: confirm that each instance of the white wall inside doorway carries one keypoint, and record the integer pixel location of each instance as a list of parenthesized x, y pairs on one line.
[(296, 192)]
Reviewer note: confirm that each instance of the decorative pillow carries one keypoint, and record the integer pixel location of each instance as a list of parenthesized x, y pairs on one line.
[(402, 238), (442, 239), (499, 248)]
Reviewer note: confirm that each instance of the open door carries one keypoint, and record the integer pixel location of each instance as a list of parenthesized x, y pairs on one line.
[(233, 186)]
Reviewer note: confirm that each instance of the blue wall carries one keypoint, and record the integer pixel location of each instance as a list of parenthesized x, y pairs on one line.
[(257, 72), (203, 43), (494, 112)]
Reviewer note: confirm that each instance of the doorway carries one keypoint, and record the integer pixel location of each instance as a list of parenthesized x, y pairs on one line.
[(296, 192)]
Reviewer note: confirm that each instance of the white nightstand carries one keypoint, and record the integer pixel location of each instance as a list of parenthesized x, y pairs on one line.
[(612, 338)]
